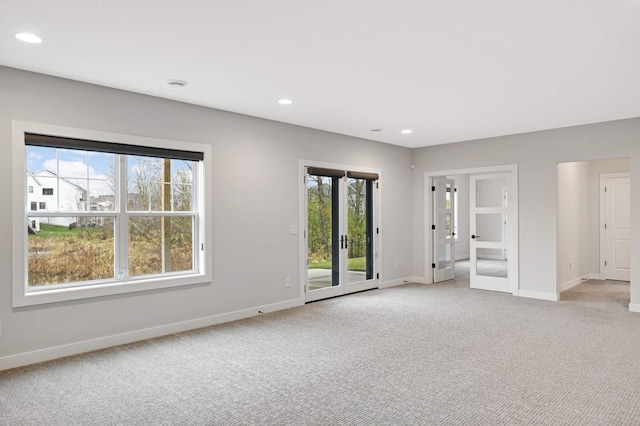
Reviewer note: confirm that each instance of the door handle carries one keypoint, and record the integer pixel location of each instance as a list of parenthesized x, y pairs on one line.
[(475, 236), (346, 241), (341, 241)]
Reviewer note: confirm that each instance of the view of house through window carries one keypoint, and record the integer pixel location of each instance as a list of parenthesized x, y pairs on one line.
[(95, 215)]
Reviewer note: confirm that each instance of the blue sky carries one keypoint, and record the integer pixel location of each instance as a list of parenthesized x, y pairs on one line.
[(94, 169)]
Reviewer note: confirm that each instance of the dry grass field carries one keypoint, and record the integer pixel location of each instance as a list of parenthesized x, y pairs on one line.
[(60, 255)]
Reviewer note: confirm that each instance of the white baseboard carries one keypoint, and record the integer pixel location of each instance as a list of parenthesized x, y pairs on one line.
[(570, 284), (394, 283), (634, 307), (462, 257), (419, 280), (47, 354), (553, 297)]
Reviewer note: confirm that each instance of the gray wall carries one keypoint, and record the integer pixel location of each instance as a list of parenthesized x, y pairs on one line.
[(255, 200), (256, 169), (574, 220), (537, 155)]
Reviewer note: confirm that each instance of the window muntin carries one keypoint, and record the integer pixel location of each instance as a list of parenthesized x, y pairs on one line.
[(112, 206)]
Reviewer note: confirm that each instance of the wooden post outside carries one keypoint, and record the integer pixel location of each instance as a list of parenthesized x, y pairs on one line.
[(166, 220)]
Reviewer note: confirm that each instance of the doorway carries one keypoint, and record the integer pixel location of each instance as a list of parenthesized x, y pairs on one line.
[(593, 226), (340, 235), (492, 232)]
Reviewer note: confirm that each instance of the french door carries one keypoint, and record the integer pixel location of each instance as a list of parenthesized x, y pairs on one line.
[(340, 232), (443, 191), (490, 263)]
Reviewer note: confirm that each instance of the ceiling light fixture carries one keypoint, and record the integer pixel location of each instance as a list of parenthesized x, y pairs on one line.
[(406, 131), (28, 38), (285, 101), (177, 83), (376, 130)]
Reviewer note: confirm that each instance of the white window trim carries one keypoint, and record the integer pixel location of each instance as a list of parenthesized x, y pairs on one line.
[(22, 297)]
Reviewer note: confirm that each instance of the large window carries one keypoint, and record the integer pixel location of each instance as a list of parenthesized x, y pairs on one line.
[(120, 217)]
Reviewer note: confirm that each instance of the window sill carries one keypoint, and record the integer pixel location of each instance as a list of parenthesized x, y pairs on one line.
[(62, 294)]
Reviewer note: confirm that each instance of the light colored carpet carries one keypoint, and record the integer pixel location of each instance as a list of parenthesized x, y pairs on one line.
[(410, 355)]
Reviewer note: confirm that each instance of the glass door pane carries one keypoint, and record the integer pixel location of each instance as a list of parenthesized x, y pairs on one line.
[(489, 257), (443, 229), (360, 230), (324, 235)]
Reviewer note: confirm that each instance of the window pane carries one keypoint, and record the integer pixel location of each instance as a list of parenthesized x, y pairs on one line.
[(181, 197), (64, 249), (182, 185), (41, 158), (143, 183), (160, 244), (159, 184)]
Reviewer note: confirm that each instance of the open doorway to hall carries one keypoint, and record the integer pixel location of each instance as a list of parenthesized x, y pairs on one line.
[(593, 231)]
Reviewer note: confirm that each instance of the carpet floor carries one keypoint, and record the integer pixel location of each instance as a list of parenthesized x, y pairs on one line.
[(409, 355)]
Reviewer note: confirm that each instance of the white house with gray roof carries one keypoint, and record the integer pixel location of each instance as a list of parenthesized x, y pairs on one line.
[(46, 191)]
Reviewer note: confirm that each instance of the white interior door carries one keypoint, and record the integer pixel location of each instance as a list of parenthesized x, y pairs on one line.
[(340, 232), (489, 267), (443, 235), (617, 229)]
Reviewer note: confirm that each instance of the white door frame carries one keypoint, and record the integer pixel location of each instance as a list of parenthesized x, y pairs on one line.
[(302, 220), (514, 262), (603, 214)]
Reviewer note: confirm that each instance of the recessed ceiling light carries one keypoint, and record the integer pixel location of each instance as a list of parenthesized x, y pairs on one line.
[(28, 38), (376, 130), (406, 131), (177, 83), (285, 101)]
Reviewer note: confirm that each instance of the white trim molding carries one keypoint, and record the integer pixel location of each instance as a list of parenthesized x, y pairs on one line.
[(54, 352), (395, 283), (570, 284), (634, 307), (23, 295), (540, 295)]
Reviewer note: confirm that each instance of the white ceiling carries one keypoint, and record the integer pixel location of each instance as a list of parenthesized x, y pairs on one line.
[(450, 70)]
